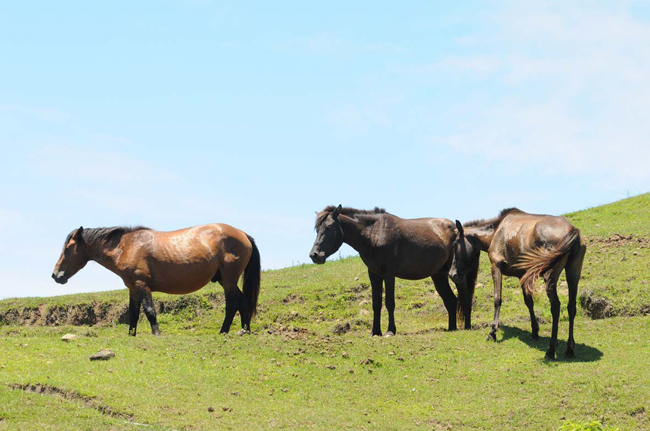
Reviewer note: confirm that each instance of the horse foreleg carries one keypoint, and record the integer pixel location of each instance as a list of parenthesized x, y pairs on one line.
[(135, 300), (390, 305), (534, 325), (377, 289), (497, 278)]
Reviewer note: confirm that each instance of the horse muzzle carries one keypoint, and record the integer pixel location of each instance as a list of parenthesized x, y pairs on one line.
[(318, 258), (59, 277)]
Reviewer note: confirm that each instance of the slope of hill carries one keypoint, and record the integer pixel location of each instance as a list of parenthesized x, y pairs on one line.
[(310, 363)]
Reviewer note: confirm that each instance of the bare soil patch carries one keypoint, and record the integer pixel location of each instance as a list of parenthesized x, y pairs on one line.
[(618, 240), (99, 313), (90, 402)]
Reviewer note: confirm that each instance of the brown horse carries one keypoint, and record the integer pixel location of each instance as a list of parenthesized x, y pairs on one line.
[(393, 247), (179, 262), (525, 246)]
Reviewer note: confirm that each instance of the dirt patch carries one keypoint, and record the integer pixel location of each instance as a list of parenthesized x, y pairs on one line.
[(341, 328), (90, 402), (293, 298), (98, 313), (359, 288), (288, 332), (618, 240), (595, 307), (75, 315)]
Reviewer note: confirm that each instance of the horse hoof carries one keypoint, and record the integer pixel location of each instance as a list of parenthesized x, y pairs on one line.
[(243, 332), (491, 337), (570, 354), (535, 336), (550, 356), (375, 335), (389, 334)]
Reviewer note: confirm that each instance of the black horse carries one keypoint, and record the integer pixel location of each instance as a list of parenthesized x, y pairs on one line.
[(394, 247)]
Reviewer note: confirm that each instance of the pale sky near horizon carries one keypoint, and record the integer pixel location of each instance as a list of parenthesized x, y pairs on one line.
[(177, 113)]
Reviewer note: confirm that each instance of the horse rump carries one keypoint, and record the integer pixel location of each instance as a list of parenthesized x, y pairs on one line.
[(541, 260)]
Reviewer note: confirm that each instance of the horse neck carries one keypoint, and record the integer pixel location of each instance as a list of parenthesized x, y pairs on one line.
[(483, 234), (355, 234), (106, 258)]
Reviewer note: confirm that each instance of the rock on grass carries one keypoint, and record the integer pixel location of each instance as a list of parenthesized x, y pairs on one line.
[(102, 355)]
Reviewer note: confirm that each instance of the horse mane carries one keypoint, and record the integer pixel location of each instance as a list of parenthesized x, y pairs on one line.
[(350, 212), (108, 237), (491, 222)]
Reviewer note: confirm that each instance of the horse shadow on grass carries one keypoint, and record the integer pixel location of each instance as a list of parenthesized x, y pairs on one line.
[(583, 352)]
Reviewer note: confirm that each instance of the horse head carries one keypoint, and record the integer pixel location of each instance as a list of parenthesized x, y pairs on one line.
[(329, 235), (73, 257)]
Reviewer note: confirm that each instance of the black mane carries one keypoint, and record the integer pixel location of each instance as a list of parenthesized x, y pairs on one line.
[(347, 211), (492, 222), (108, 237)]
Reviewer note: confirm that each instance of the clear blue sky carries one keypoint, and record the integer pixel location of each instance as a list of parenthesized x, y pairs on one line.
[(257, 114)]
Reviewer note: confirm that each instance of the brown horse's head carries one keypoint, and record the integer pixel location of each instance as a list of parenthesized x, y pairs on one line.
[(464, 267), (73, 257), (329, 235)]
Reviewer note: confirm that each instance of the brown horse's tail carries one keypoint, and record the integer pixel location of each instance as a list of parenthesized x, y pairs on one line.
[(252, 278), (539, 261)]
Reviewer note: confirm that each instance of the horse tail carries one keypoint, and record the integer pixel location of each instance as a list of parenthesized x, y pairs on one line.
[(539, 261), (252, 278), (466, 294)]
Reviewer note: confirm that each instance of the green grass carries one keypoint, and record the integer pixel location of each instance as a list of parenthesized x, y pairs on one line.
[(624, 217), (294, 372), (432, 380)]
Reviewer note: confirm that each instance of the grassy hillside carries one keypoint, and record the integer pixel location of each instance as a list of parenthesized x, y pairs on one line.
[(310, 363)]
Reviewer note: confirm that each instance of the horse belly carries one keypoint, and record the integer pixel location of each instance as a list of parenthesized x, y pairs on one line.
[(183, 278), (422, 265)]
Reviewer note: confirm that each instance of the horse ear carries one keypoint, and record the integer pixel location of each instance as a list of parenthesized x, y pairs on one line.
[(77, 234), (459, 226), (337, 211)]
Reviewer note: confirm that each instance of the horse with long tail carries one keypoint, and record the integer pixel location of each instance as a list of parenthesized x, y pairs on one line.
[(526, 246), (392, 247), (177, 262)]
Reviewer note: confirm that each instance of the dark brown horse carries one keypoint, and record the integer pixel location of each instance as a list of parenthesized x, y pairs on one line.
[(525, 246), (177, 262), (393, 247)]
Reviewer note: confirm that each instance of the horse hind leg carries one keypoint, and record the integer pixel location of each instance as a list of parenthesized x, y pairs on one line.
[(573, 270), (217, 276), (235, 300), (441, 283), (140, 295), (551, 278), (149, 309)]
